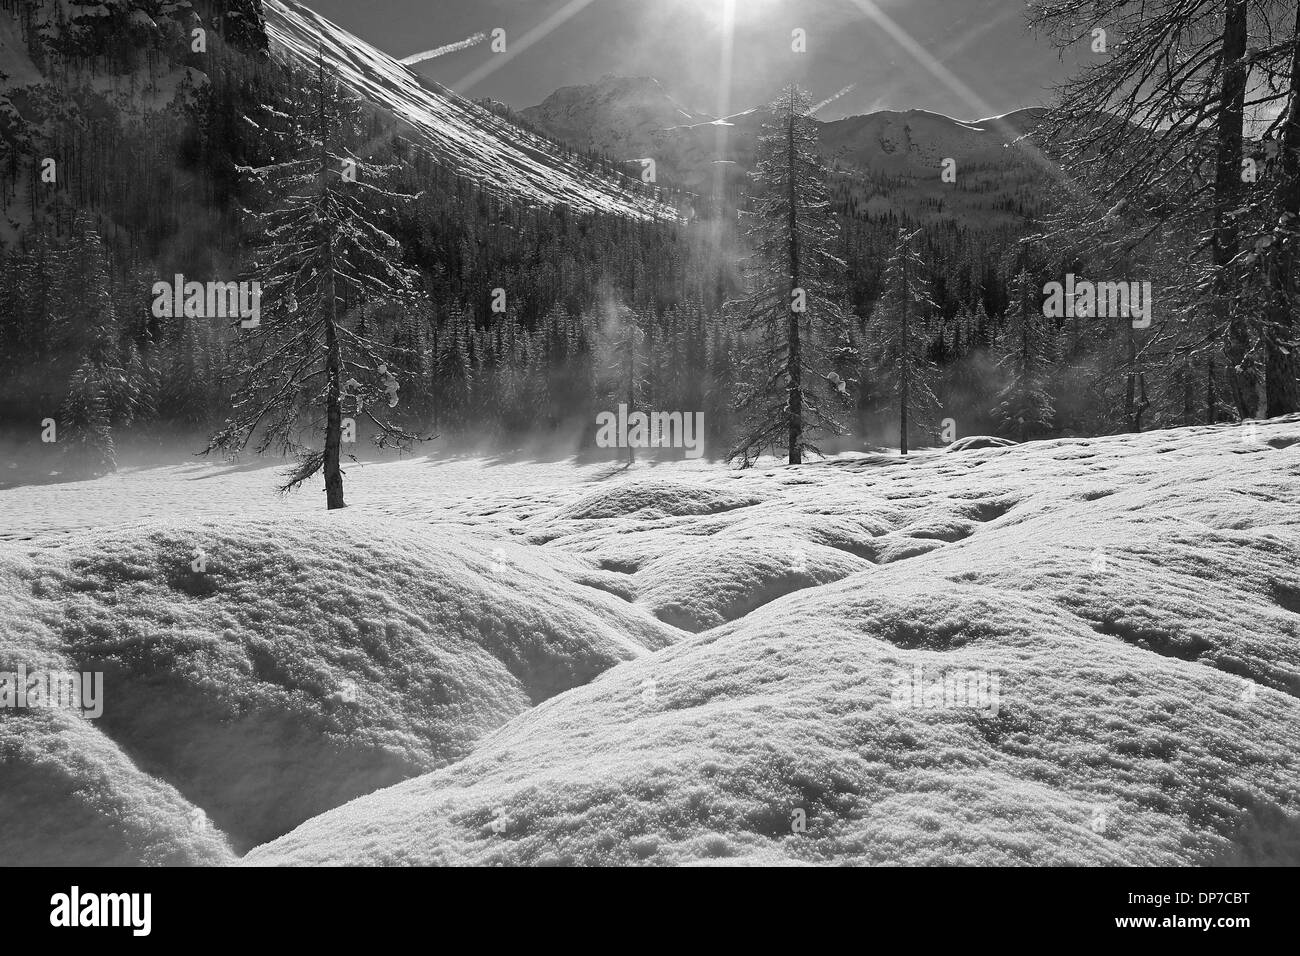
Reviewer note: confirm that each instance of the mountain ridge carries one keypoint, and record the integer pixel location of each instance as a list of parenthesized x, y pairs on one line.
[(901, 152)]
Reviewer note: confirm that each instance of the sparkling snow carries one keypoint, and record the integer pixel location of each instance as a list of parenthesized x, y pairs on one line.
[(680, 663)]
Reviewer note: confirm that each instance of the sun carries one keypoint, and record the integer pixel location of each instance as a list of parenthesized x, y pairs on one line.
[(724, 13)]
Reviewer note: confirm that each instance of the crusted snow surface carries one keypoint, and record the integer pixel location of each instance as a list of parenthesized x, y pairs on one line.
[(1131, 604), (270, 671), (69, 795), (1082, 651)]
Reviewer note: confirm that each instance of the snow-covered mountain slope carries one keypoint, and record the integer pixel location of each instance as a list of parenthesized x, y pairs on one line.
[(470, 139), (630, 118), (613, 112), (999, 170), (634, 117), (901, 142)]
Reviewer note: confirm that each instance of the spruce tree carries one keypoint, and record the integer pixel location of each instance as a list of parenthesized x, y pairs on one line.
[(791, 316), (1024, 403), (452, 376), (98, 387), (899, 340)]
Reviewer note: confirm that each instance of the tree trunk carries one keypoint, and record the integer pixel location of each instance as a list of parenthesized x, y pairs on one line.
[(794, 354), (1225, 242), (1211, 396), (904, 390), (333, 354), (333, 414), (1143, 402), (630, 321), (1025, 367), (433, 373), (1130, 392), (1280, 365)]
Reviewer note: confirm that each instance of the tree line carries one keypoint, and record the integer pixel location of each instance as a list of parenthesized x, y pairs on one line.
[(403, 302)]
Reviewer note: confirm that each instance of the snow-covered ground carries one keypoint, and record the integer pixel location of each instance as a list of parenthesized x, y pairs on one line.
[(672, 663)]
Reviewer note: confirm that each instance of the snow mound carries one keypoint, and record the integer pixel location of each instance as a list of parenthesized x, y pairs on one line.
[(715, 581), (69, 796), (1093, 659), (270, 671), (655, 499), (979, 441)]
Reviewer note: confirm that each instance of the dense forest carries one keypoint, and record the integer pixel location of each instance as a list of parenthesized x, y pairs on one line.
[(135, 157)]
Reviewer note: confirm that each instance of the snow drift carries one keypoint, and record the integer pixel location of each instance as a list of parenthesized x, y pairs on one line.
[(1063, 652), (69, 795), (1130, 601), (271, 672)]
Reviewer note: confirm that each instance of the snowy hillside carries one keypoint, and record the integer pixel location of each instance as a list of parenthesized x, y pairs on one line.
[(680, 663), (898, 141), (629, 117), (634, 117), (477, 143)]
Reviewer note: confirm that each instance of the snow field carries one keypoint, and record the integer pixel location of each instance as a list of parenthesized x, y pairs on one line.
[(312, 661), (676, 663), (1134, 596)]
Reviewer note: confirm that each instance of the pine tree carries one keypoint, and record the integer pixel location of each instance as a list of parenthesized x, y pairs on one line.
[(899, 339), (97, 387), (1025, 401), (452, 376), (322, 257), (1281, 338), (1154, 132), (792, 314), (86, 420)]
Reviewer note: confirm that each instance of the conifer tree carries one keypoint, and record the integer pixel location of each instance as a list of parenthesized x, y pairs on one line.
[(98, 385), (1024, 404), (322, 258), (900, 342), (791, 316), (452, 375), (1154, 133)]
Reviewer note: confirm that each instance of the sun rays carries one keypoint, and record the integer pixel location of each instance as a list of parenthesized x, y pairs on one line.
[(516, 46)]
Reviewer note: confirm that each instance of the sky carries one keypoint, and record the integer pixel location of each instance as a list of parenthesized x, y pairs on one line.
[(963, 58)]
